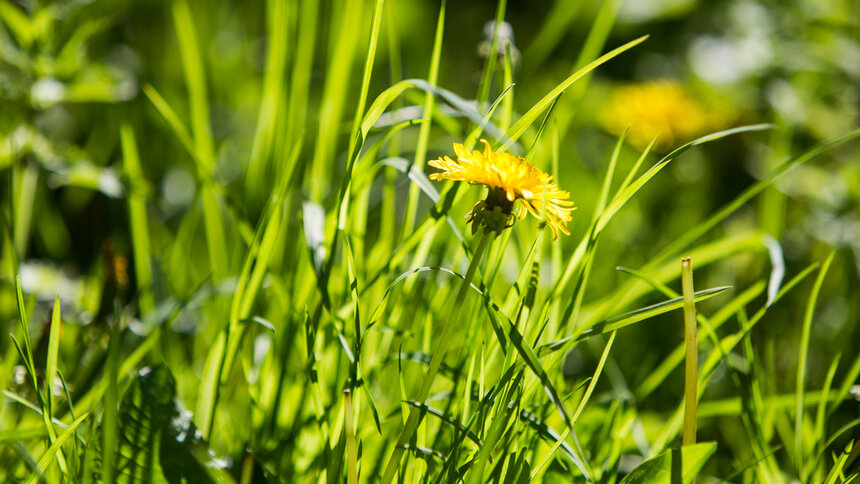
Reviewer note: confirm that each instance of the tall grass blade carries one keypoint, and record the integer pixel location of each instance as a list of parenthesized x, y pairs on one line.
[(427, 113), (803, 352), (138, 220)]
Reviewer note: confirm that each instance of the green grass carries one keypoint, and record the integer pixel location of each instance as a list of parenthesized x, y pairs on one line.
[(259, 282)]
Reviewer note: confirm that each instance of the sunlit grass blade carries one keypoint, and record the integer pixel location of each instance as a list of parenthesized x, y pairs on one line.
[(472, 138), (675, 465), (356, 140), (492, 54), (381, 103), (274, 92), (628, 318), (530, 153), (819, 430), (24, 195), (300, 80), (209, 199), (110, 420), (54, 449), (836, 471), (427, 113), (691, 358), (531, 115), (138, 220), (343, 41), (195, 77), (588, 392), (716, 356), (699, 229), (26, 351), (45, 395), (176, 125), (508, 80), (628, 192), (659, 374), (52, 358), (629, 291), (799, 439)]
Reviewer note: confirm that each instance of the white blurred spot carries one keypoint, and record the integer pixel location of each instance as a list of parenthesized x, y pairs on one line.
[(724, 60), (178, 188), (47, 91), (784, 99), (641, 11), (262, 344), (20, 375)]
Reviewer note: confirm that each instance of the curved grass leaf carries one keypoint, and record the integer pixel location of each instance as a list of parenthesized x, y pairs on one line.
[(532, 114), (777, 273), (54, 450), (803, 352), (634, 187), (675, 466), (640, 314), (472, 138), (549, 435), (445, 418), (699, 229), (389, 95)]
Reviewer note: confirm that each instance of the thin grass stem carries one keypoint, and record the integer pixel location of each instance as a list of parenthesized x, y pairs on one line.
[(691, 368), (351, 453)]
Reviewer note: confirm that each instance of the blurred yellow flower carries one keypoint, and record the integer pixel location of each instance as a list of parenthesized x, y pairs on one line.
[(509, 178), (655, 108)]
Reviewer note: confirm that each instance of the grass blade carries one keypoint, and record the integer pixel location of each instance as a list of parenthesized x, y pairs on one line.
[(626, 319), (427, 113), (138, 221), (625, 195), (195, 77), (803, 352), (675, 465), (531, 115), (54, 449), (51, 361)]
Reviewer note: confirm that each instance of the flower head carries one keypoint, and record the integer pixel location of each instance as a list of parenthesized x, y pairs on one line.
[(509, 179), (661, 108)]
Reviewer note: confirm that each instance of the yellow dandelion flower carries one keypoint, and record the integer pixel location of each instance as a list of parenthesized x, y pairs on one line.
[(661, 108), (509, 179)]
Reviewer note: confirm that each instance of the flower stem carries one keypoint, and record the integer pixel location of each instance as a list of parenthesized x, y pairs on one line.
[(435, 362), (691, 373)]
